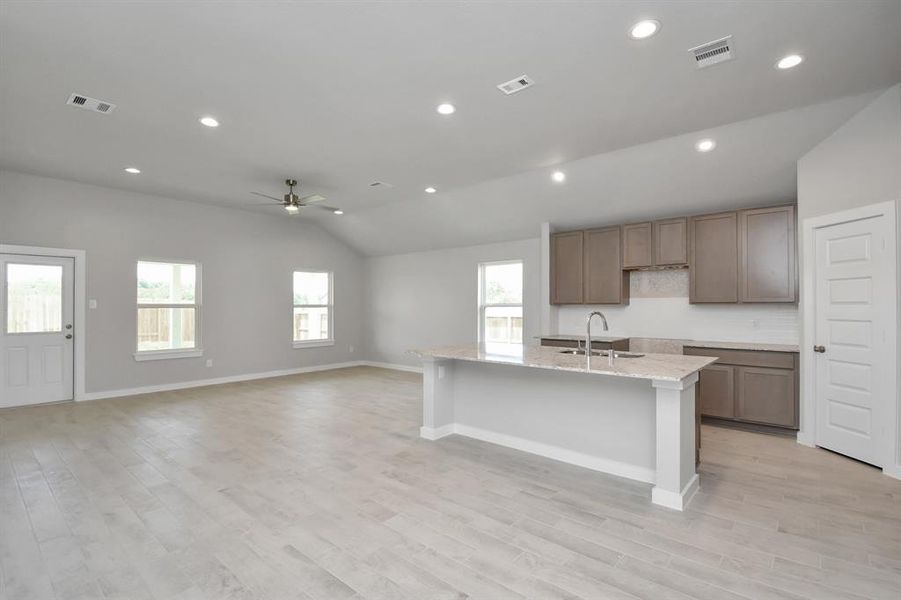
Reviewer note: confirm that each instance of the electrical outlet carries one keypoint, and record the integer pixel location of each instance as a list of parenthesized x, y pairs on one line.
[(350, 349), (755, 324), (440, 372), (209, 362), (92, 303)]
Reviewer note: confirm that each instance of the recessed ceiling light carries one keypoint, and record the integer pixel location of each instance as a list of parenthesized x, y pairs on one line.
[(558, 176), (705, 145), (792, 60), (644, 29), (209, 122), (132, 170), (339, 212), (446, 109), (430, 190)]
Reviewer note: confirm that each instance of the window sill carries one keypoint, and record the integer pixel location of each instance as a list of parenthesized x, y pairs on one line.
[(167, 354), (313, 343)]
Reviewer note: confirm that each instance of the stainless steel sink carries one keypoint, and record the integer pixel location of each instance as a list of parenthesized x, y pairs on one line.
[(616, 354)]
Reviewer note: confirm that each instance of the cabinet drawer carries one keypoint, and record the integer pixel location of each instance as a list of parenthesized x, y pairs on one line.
[(748, 358)]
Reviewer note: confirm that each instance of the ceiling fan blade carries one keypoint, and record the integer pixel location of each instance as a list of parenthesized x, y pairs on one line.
[(279, 200), (312, 199), (328, 208)]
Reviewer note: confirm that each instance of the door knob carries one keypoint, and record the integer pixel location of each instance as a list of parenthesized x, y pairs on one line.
[(69, 326), (819, 348), (68, 336)]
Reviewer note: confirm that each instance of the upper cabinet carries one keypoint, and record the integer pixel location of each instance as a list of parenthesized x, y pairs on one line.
[(566, 268), (657, 244), (732, 257), (671, 242), (586, 267), (744, 256), (767, 245), (637, 249), (605, 280), (713, 272)]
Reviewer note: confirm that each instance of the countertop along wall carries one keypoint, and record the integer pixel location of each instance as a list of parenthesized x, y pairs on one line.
[(247, 260)]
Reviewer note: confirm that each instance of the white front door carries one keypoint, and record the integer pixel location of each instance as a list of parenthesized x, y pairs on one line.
[(36, 335), (852, 358)]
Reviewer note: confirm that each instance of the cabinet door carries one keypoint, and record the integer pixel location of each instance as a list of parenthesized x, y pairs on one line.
[(766, 396), (637, 249), (713, 249), (768, 272), (566, 268), (605, 280), (671, 242), (716, 390)]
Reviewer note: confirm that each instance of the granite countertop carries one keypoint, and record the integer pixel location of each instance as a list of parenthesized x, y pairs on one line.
[(581, 338), (666, 367), (762, 346)]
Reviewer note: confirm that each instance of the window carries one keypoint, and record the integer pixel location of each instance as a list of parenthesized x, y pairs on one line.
[(168, 310), (313, 309), (500, 302)]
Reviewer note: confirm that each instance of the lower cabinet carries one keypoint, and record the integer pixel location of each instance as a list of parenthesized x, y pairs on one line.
[(750, 386), (621, 345)]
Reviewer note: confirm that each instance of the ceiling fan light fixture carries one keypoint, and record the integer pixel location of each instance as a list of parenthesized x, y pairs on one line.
[(292, 208), (338, 212)]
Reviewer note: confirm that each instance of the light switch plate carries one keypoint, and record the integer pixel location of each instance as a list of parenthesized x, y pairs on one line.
[(92, 303)]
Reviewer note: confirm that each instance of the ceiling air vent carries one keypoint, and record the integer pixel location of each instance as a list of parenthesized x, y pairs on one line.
[(380, 184), (92, 104), (712, 53), (516, 85)]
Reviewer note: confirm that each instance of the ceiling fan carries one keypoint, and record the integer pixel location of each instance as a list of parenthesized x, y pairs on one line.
[(292, 203)]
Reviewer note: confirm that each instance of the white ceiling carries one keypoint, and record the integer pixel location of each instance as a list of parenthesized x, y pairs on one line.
[(340, 94)]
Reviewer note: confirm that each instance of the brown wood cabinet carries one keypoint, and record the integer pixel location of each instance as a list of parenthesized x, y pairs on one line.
[(566, 267), (576, 342), (637, 245), (586, 267), (671, 242), (713, 267), (655, 244), (767, 238), (605, 280), (758, 387)]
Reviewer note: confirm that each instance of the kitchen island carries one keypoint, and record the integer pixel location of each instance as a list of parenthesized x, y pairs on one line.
[(634, 419)]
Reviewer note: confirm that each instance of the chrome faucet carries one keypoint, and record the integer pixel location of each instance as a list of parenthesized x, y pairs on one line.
[(610, 353)]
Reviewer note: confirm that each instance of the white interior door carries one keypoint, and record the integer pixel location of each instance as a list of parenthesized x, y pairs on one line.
[(852, 358), (36, 335)]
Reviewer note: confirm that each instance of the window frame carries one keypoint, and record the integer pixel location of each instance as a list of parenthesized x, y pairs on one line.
[(483, 305), (197, 350), (330, 341)]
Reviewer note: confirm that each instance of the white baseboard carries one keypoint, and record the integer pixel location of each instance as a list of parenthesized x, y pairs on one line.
[(182, 385), (395, 367), (595, 463), (674, 500)]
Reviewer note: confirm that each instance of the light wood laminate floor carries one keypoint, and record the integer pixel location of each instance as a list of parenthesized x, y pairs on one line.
[(317, 486)]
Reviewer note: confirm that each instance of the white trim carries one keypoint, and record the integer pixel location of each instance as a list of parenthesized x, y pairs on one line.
[(167, 387), (393, 366), (167, 354), (580, 459), (79, 321), (672, 499), (807, 432), (312, 343)]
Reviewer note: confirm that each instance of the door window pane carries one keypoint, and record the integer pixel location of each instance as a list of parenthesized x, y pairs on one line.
[(166, 328), (166, 283), (34, 298)]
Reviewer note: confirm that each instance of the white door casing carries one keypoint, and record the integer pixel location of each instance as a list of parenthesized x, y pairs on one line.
[(36, 336), (851, 301)]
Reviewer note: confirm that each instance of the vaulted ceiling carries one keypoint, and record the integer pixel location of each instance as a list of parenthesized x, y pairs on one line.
[(341, 94)]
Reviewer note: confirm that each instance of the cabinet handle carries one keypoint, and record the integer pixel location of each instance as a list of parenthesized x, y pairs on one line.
[(820, 349)]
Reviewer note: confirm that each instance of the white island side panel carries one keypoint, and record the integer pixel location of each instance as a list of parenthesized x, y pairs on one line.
[(604, 423)]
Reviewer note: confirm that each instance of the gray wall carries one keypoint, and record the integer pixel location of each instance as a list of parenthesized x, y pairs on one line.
[(247, 260), (859, 164), (428, 299)]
